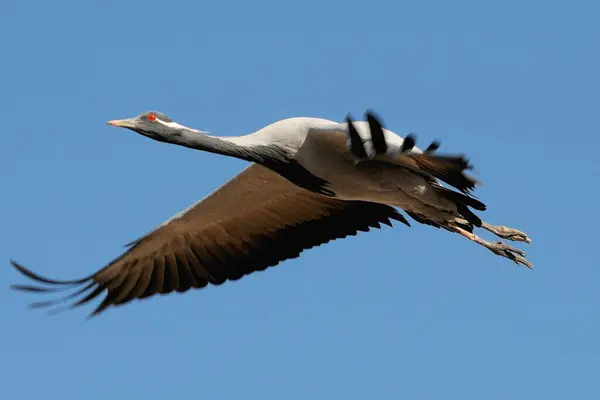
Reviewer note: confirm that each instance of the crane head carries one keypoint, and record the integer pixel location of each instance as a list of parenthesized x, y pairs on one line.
[(153, 124)]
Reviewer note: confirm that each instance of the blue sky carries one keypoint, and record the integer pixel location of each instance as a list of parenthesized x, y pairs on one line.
[(398, 313)]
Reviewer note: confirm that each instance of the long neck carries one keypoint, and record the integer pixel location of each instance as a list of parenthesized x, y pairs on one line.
[(248, 148), (254, 148)]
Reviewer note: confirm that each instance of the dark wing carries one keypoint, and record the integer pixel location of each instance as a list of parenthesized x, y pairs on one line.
[(252, 222)]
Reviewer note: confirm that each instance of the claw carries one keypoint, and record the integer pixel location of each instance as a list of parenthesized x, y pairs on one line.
[(520, 260)]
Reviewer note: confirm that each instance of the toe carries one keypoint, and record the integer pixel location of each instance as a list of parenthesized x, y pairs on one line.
[(506, 248), (519, 237), (521, 260), (514, 234)]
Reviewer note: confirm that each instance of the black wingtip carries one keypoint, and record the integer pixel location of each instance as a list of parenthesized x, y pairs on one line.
[(433, 146), (377, 135), (34, 289), (356, 145), (326, 192), (399, 217), (409, 143), (371, 114), (57, 286), (32, 275)]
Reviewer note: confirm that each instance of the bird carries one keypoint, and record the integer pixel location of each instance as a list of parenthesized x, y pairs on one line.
[(309, 181)]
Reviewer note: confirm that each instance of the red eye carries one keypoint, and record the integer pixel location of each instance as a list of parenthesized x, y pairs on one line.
[(152, 117)]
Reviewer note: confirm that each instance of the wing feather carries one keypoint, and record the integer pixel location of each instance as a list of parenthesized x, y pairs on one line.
[(253, 222)]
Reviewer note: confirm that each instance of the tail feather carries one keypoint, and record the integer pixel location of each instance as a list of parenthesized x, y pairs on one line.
[(449, 169), (460, 198), (469, 215), (426, 221), (463, 202)]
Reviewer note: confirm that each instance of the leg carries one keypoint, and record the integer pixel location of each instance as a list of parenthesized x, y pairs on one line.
[(506, 233), (498, 248)]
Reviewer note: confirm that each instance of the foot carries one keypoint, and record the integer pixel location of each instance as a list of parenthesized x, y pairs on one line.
[(507, 233), (504, 250), (498, 248)]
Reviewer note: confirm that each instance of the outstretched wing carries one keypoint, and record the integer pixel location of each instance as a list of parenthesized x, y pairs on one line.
[(254, 221)]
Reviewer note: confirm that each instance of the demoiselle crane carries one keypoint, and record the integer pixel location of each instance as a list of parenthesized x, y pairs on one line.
[(310, 181)]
